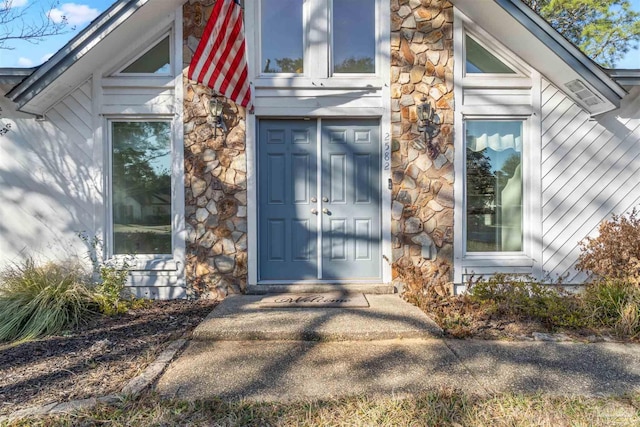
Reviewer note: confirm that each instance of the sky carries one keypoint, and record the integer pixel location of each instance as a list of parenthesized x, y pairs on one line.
[(83, 12)]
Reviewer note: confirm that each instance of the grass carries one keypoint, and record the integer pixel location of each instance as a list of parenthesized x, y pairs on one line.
[(38, 300), (443, 408)]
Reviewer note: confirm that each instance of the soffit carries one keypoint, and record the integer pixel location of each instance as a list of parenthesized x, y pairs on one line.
[(528, 36)]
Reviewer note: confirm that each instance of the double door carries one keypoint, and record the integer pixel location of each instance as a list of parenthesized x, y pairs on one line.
[(319, 200)]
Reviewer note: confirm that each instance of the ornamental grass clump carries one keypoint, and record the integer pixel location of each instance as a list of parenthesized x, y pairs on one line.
[(39, 300), (614, 303)]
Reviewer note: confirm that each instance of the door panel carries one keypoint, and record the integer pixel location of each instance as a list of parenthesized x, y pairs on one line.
[(351, 183), (286, 183), (293, 216)]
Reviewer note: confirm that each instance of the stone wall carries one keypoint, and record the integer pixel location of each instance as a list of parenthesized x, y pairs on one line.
[(422, 206), (215, 180)]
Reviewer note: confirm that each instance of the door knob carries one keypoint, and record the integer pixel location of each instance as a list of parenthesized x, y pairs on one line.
[(314, 211), (325, 199), (325, 211), (314, 200)]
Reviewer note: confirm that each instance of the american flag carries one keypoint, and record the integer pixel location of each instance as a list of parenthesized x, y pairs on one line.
[(219, 61)]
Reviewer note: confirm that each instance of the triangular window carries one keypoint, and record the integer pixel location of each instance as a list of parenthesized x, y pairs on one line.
[(480, 61), (156, 60)]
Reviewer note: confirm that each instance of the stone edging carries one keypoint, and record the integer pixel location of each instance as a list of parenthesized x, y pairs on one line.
[(133, 388)]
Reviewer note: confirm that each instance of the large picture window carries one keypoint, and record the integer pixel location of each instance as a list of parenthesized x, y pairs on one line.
[(494, 186), (141, 187)]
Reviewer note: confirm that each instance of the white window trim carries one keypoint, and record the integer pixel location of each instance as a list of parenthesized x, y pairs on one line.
[(522, 254), (529, 260), (464, 26), (163, 271), (143, 261), (137, 50), (317, 56)]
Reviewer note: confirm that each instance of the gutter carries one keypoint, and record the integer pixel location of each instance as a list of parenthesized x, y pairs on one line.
[(75, 49), (14, 76), (583, 65), (625, 77)]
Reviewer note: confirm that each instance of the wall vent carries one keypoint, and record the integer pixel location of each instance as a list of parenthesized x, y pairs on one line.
[(583, 93)]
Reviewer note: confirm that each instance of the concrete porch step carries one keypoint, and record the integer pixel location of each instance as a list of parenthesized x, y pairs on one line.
[(240, 317), (365, 288)]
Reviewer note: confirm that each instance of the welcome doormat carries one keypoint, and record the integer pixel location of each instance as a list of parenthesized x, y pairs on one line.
[(319, 300)]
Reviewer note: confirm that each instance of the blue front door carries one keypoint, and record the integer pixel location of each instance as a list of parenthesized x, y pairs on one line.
[(319, 201)]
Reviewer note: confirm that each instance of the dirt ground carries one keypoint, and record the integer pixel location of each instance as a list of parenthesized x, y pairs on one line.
[(101, 357), (97, 359)]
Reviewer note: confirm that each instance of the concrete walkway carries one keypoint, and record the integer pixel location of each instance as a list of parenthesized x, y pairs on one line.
[(242, 351)]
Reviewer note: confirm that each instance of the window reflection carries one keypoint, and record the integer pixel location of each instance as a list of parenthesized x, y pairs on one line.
[(141, 187), (354, 36), (494, 186), (282, 38)]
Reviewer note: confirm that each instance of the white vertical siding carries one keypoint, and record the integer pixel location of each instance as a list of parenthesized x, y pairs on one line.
[(590, 169), (48, 184)]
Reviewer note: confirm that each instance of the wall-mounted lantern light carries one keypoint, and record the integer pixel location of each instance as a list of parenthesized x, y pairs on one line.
[(429, 125), (215, 109)]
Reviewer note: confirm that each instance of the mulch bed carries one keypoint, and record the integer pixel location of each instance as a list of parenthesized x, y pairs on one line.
[(97, 359)]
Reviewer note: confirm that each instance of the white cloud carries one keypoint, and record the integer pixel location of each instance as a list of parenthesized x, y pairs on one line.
[(76, 14), (25, 62), (13, 3)]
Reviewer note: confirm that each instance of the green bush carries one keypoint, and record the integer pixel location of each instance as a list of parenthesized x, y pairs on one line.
[(524, 296), (110, 293), (42, 300), (614, 303)]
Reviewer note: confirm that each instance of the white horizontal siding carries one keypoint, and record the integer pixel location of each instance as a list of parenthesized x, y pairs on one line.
[(590, 169), (137, 100), (496, 97)]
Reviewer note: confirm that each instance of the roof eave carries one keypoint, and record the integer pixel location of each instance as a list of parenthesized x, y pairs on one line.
[(568, 52), (625, 77), (62, 60), (13, 76)]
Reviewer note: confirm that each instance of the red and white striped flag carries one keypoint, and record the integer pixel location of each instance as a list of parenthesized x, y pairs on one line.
[(219, 61)]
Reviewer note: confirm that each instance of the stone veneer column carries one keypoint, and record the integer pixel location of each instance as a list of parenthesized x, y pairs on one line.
[(422, 198), (215, 180)]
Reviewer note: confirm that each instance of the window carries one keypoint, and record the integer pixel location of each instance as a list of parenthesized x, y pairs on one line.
[(317, 38), (282, 36), (354, 36), (494, 185), (480, 60), (141, 187), (156, 60)]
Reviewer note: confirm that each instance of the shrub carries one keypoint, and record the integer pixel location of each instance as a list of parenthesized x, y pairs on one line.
[(614, 303), (524, 296), (42, 300), (110, 293), (615, 252)]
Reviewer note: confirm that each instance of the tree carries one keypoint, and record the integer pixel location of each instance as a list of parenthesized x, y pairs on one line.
[(15, 23), (605, 30)]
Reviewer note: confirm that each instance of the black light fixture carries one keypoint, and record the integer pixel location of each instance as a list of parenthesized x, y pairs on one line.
[(215, 109), (429, 125)]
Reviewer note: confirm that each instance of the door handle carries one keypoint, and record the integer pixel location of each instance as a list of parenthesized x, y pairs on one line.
[(325, 199), (325, 211), (314, 200), (314, 211)]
